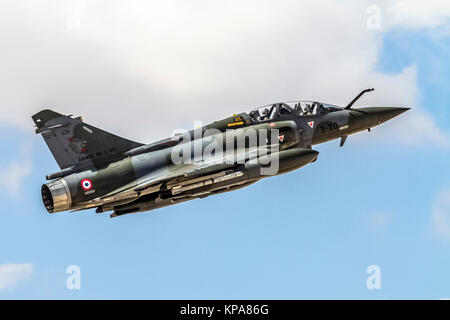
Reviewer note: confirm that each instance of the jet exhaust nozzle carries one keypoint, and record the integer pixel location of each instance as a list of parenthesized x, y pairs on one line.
[(56, 196)]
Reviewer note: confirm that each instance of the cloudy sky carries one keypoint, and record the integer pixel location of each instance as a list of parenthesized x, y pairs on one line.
[(142, 69)]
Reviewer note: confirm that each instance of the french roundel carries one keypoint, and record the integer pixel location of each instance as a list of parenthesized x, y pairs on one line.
[(86, 184)]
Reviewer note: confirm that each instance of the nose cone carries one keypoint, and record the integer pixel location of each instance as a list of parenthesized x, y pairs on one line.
[(384, 114), (376, 115)]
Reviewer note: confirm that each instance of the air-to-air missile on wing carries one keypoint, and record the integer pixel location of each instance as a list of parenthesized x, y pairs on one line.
[(101, 170)]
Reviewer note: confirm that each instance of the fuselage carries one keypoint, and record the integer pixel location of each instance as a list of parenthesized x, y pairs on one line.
[(152, 176)]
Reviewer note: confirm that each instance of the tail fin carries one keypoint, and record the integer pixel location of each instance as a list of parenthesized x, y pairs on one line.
[(73, 142)]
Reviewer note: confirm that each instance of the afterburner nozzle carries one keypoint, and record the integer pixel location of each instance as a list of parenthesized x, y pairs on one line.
[(56, 196)]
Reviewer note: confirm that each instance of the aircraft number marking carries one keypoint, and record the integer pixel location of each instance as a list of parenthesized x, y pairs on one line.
[(329, 127)]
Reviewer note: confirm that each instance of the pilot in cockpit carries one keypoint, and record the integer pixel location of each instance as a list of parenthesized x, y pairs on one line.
[(264, 115), (307, 110)]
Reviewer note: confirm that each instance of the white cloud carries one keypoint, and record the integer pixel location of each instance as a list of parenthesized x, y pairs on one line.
[(441, 215), (419, 13), (13, 273), (13, 173), (143, 68), (415, 127)]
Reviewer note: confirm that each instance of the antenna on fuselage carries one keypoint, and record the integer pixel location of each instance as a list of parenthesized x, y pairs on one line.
[(357, 97)]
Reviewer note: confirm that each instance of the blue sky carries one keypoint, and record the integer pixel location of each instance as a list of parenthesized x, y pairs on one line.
[(307, 234)]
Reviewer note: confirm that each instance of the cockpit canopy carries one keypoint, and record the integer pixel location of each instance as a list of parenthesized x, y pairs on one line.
[(302, 108)]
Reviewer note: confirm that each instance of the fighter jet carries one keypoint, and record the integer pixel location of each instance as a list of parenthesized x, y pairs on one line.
[(104, 171)]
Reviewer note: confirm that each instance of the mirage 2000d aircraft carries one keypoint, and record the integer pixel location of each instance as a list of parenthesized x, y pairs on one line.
[(101, 170)]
